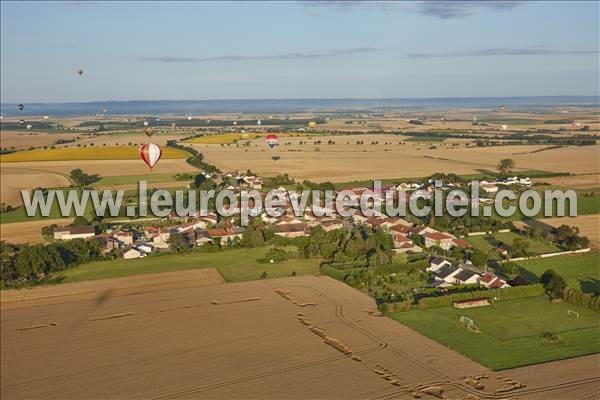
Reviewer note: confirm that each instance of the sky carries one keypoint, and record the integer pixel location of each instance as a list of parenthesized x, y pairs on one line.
[(296, 49)]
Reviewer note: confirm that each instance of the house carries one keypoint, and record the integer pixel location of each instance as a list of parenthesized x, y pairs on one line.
[(403, 245), (291, 230), (489, 187), (331, 225), (439, 239), (435, 263), (163, 235), (145, 247), (447, 274), (150, 231), (222, 236), (202, 237), (491, 281), (466, 277), (502, 251), (375, 222), (133, 253), (401, 230), (487, 279), (124, 237), (73, 232), (461, 243)]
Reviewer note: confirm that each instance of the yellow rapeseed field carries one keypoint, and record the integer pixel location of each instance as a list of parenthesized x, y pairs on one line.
[(86, 153), (225, 138)]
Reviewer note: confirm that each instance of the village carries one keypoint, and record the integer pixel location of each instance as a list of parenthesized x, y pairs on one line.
[(195, 230)]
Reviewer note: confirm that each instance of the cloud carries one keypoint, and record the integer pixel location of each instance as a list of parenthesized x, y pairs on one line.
[(461, 9), (258, 57), (502, 51), (444, 9)]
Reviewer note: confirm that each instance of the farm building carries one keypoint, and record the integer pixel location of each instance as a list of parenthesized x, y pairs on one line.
[(74, 232)]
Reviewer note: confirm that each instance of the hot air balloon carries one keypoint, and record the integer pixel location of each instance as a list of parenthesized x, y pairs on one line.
[(189, 118), (208, 121), (28, 126), (20, 107), (80, 72), (258, 122), (312, 124), (149, 131), (235, 122), (157, 119), (21, 121), (145, 123), (272, 140), (46, 116), (150, 153)]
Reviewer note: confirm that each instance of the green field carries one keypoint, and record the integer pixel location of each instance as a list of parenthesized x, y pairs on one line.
[(484, 243), (580, 271), (234, 265), (131, 179), (511, 331), (586, 205)]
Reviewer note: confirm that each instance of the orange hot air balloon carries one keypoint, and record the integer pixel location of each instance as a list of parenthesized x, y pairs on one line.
[(150, 153)]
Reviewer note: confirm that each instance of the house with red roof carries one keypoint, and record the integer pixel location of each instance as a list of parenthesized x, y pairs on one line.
[(439, 239)]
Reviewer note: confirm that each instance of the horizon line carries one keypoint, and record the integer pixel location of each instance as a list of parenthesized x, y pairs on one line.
[(301, 98)]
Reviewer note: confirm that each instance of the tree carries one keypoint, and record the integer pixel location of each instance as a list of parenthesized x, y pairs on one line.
[(478, 257), (519, 247), (505, 166), (177, 243), (511, 269), (554, 283)]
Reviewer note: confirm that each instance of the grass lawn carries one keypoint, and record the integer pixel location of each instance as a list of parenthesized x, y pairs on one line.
[(130, 179), (234, 265), (484, 242), (580, 271), (511, 331)]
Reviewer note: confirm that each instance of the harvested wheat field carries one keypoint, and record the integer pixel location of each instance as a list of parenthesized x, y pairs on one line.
[(302, 337), (583, 181), (24, 140), (15, 179), (589, 225), (104, 167), (391, 156), (30, 231)]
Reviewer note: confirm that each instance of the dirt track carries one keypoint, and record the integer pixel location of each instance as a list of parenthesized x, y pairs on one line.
[(303, 337)]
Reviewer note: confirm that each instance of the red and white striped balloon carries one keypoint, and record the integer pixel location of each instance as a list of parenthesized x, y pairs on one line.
[(150, 153)]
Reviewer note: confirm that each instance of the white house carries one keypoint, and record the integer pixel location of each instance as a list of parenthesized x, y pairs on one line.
[(133, 253), (439, 239), (436, 263), (465, 277)]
